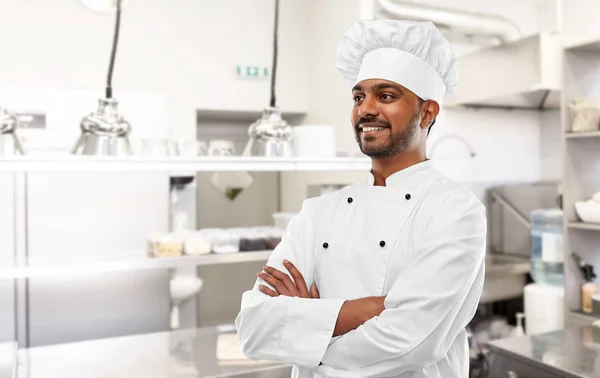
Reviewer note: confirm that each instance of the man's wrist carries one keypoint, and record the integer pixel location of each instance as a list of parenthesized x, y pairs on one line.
[(354, 313)]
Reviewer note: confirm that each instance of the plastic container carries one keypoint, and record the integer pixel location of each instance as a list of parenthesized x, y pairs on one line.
[(197, 244), (547, 261), (226, 242), (170, 245)]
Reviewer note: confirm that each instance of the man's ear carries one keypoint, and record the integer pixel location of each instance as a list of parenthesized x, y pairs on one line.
[(429, 111), (430, 127)]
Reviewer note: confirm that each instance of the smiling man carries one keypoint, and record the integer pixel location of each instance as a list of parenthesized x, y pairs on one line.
[(381, 278)]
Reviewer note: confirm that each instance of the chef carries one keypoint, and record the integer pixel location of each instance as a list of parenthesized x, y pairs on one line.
[(381, 278)]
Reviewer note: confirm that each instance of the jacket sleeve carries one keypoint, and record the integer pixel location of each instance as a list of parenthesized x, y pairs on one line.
[(432, 300), (290, 330)]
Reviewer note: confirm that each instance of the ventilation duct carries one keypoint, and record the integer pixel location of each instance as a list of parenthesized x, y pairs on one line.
[(467, 24)]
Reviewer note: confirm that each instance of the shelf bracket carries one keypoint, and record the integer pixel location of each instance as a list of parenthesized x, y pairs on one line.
[(544, 99), (513, 210)]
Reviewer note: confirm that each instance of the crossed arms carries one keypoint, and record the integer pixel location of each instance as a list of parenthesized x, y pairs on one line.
[(421, 316), (353, 313)]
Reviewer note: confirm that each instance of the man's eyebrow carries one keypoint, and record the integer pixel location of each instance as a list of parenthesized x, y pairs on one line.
[(381, 86), (357, 88)]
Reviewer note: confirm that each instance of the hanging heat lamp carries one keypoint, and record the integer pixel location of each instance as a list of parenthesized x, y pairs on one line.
[(105, 132), (270, 135), (9, 142)]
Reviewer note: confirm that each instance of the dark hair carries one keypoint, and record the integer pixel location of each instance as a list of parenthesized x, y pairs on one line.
[(421, 102)]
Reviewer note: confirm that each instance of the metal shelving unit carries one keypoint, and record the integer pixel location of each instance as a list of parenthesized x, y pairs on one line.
[(581, 171), (126, 262), (116, 261), (70, 163)]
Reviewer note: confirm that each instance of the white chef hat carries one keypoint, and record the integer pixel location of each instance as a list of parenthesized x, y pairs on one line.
[(413, 54)]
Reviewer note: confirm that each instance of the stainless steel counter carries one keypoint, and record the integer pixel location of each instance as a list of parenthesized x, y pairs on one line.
[(180, 354), (570, 353)]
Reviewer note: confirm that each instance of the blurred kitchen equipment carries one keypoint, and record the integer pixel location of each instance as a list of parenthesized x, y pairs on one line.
[(588, 211), (226, 241), (508, 259), (169, 245), (106, 132), (518, 330), (547, 258), (220, 147), (196, 244), (544, 308), (270, 135), (584, 116), (313, 141), (589, 288), (9, 142), (231, 184), (182, 287), (190, 148)]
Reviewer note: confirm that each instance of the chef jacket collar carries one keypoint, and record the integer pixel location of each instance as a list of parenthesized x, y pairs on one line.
[(407, 177)]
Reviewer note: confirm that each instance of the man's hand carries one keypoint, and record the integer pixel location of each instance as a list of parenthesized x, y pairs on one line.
[(356, 312), (284, 285)]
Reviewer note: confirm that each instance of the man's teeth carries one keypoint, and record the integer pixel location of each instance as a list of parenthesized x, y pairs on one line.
[(365, 129)]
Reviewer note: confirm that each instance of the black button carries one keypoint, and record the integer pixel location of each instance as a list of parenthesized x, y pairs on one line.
[(382, 243), (350, 200), (407, 196), (325, 245)]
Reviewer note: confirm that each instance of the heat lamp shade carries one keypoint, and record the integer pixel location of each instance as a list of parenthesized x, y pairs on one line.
[(103, 6)]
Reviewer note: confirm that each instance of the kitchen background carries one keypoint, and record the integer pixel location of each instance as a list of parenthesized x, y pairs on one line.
[(177, 78)]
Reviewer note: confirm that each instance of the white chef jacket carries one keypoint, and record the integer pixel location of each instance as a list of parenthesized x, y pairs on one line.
[(420, 241)]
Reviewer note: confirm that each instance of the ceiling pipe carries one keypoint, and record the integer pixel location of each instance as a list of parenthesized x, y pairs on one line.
[(467, 23)]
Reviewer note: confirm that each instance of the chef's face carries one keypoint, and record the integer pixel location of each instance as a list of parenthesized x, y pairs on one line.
[(386, 118)]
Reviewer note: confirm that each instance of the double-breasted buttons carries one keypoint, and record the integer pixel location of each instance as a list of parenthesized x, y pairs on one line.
[(350, 200), (382, 243), (407, 196), (325, 245)]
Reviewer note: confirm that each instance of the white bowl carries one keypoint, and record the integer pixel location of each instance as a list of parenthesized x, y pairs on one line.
[(588, 211)]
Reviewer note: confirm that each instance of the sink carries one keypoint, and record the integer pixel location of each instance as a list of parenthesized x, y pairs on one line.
[(497, 264), (505, 277), (284, 371)]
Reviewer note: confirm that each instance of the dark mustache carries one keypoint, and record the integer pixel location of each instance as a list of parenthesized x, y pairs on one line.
[(374, 121)]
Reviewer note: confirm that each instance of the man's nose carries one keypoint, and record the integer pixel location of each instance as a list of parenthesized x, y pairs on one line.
[(368, 108)]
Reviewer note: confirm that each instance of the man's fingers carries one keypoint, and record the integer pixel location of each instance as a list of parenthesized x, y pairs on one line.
[(287, 281), (277, 284), (268, 291), (298, 278), (314, 292)]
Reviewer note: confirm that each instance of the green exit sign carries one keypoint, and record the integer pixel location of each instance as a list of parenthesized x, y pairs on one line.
[(252, 72)]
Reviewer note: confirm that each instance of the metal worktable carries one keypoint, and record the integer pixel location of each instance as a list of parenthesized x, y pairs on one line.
[(178, 354), (571, 353)]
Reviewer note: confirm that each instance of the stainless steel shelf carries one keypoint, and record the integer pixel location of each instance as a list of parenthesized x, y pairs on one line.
[(589, 134), (584, 226), (581, 317), (69, 163), (126, 263)]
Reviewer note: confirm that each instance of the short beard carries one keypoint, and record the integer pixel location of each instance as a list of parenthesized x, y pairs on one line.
[(396, 143)]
